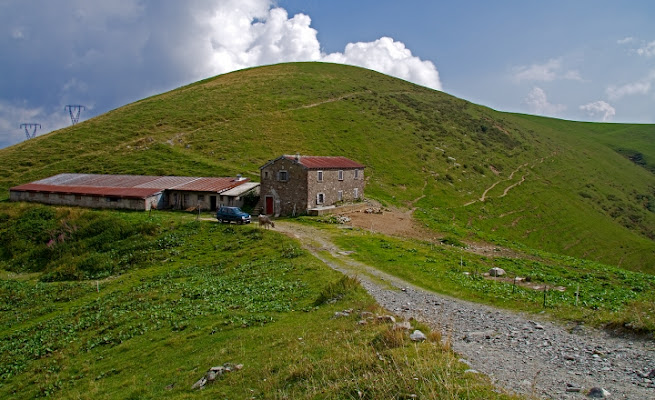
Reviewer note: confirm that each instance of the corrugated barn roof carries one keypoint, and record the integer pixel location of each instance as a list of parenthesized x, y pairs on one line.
[(127, 186)]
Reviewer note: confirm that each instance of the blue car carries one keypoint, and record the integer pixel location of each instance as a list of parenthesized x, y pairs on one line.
[(229, 214)]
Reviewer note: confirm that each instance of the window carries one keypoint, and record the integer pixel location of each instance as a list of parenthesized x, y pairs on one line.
[(61, 195), (320, 176), (112, 199), (201, 197), (340, 174), (265, 174), (320, 198), (32, 194), (340, 195), (356, 174), (46, 195), (283, 176), (78, 197), (356, 193)]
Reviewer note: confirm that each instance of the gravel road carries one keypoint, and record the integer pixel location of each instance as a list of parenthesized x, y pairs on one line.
[(519, 352)]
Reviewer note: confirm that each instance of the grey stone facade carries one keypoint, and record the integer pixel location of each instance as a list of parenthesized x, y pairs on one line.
[(292, 185)]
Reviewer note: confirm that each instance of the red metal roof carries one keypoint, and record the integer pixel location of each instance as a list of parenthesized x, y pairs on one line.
[(99, 180), (127, 186), (216, 185), (316, 162), (126, 193)]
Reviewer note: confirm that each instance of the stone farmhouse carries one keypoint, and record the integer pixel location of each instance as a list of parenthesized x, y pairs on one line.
[(136, 192), (295, 184)]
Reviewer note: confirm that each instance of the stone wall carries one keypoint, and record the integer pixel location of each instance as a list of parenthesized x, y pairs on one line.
[(63, 199), (330, 187), (290, 196), (301, 190)]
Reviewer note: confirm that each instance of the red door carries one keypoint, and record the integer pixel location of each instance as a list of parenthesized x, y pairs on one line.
[(268, 210)]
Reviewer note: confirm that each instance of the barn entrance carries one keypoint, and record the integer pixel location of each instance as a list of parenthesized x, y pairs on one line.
[(212, 203)]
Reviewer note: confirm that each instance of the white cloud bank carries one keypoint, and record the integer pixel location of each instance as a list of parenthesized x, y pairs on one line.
[(245, 34), (642, 86), (112, 53), (647, 50), (600, 108), (547, 72), (539, 104)]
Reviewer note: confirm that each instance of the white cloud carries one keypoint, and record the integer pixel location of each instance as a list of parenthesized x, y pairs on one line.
[(17, 34), (647, 50), (549, 71), (390, 57), (625, 40), (600, 108), (642, 86), (256, 33), (539, 104), (106, 54)]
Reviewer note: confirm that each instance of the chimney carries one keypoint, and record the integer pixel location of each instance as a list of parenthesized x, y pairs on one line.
[(297, 156), (239, 178)]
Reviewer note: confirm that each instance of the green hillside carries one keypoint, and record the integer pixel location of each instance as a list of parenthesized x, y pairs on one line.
[(580, 189)]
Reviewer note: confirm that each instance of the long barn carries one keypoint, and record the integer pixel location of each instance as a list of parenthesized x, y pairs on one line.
[(135, 192)]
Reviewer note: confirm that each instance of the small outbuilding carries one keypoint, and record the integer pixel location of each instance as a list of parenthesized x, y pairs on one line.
[(295, 184)]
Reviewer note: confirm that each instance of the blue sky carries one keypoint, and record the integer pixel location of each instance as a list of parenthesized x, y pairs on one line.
[(579, 60)]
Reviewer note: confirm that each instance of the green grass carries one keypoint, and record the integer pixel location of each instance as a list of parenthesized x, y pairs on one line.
[(608, 296), (586, 192), (217, 294)]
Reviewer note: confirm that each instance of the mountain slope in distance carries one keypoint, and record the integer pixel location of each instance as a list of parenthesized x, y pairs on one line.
[(580, 189)]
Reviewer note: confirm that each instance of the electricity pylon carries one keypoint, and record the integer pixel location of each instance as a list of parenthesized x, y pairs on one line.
[(32, 127), (74, 110)]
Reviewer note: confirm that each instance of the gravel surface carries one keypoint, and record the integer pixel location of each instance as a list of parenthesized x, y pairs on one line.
[(519, 352)]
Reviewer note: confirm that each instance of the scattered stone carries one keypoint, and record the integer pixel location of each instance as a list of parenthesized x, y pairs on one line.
[(418, 336), (471, 371), (366, 314), (572, 388), (495, 271), (212, 374), (340, 314), (598, 393), (342, 219), (402, 326), (387, 318), (362, 322), (478, 335)]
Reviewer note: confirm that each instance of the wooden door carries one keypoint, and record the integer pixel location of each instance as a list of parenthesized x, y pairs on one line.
[(268, 209)]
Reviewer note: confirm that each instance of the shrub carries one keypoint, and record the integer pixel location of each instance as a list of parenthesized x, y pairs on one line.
[(337, 290)]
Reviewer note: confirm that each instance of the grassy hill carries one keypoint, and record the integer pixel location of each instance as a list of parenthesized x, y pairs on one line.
[(581, 189), (111, 304)]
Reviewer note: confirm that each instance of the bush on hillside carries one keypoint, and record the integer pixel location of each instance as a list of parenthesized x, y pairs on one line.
[(76, 245)]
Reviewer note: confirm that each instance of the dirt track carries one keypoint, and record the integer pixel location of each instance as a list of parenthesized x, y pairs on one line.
[(519, 353)]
